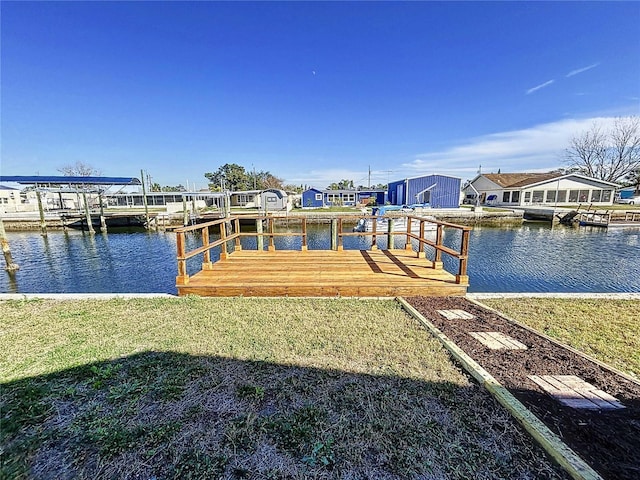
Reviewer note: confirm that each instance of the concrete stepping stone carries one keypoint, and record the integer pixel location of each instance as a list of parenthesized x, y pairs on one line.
[(498, 341), (574, 392), (455, 314)]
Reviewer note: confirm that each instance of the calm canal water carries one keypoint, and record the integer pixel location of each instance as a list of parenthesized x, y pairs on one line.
[(531, 258)]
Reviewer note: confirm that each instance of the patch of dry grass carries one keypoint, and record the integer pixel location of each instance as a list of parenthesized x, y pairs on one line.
[(243, 388), (608, 330)]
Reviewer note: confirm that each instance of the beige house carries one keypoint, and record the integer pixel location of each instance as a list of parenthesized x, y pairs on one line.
[(527, 189)]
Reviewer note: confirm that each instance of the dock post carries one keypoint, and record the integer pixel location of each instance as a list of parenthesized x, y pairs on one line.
[(87, 214), (43, 223), (103, 221), (304, 234), (260, 237), (10, 266), (390, 237), (185, 213), (437, 259), (334, 234), (407, 244), (272, 245), (144, 202)]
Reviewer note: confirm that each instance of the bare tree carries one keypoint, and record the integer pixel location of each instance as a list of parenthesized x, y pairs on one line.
[(609, 155), (79, 169)]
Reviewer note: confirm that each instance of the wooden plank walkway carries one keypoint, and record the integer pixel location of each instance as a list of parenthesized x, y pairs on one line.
[(323, 273)]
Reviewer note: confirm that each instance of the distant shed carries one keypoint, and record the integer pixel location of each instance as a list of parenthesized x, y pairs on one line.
[(436, 191)]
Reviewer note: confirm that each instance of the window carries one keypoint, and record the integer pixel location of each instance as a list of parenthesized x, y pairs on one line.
[(538, 196), (271, 199), (584, 195), (606, 196), (573, 196), (527, 197), (551, 196), (515, 196), (506, 197), (333, 197), (562, 196), (318, 197), (596, 195), (349, 197)]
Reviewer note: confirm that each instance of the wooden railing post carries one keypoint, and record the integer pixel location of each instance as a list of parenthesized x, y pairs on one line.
[(390, 237), (223, 236), (437, 259), (183, 277), (272, 245), (340, 247), (421, 252), (462, 276), (374, 225), (236, 224), (259, 234), (407, 243), (334, 234), (304, 234), (206, 261)]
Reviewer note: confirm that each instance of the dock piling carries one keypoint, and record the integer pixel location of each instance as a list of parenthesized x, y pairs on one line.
[(87, 214), (43, 223), (10, 266)]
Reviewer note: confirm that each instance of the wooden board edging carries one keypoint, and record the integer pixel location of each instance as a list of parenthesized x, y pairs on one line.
[(569, 460), (600, 363)]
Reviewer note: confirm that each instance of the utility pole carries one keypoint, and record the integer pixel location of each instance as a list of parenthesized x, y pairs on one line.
[(369, 177)]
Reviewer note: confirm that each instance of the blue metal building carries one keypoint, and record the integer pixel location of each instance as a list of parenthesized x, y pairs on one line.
[(316, 198), (436, 191)]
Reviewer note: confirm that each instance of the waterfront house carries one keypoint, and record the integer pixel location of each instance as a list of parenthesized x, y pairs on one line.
[(316, 198), (526, 189), (9, 199), (435, 191)]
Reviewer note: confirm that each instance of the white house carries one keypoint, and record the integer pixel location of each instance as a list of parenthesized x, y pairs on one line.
[(522, 189)]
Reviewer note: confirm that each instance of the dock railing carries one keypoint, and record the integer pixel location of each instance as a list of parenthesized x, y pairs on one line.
[(230, 232)]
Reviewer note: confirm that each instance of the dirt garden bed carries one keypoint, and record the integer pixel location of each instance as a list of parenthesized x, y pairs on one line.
[(608, 440)]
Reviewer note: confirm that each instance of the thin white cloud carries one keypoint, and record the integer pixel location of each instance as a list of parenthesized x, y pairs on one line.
[(539, 148), (538, 87), (580, 70)]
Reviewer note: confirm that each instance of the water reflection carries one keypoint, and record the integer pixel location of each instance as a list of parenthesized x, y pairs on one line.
[(531, 258)]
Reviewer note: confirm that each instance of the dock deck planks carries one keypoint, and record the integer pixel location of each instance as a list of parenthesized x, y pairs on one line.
[(320, 273)]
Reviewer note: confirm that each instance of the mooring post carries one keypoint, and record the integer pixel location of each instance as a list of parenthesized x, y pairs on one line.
[(103, 221), (43, 223), (185, 213), (144, 202), (390, 237), (259, 234), (87, 213), (9, 265)]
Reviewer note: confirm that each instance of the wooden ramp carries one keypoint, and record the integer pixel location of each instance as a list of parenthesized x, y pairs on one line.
[(323, 273)]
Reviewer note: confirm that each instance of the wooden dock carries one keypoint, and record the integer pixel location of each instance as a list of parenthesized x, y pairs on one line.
[(320, 273), (607, 219)]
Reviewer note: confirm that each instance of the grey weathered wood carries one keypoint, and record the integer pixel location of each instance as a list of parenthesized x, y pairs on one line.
[(10, 266)]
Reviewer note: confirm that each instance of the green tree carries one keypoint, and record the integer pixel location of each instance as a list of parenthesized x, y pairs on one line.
[(230, 176), (342, 185)]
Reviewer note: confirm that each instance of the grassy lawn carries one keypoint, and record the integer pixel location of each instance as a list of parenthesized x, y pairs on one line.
[(242, 388), (608, 330)]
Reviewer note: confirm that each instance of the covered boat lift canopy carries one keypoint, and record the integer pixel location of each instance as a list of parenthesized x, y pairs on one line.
[(58, 180)]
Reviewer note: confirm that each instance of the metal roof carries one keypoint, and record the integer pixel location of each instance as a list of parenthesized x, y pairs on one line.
[(62, 180)]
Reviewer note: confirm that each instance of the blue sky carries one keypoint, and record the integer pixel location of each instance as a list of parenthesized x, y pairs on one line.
[(312, 92)]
